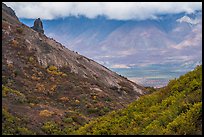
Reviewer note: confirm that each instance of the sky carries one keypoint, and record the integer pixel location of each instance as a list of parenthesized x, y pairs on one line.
[(112, 10)]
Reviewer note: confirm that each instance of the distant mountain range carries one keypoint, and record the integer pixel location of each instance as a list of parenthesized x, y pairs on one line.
[(171, 40)]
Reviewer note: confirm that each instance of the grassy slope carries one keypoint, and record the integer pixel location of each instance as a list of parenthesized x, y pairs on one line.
[(175, 109)]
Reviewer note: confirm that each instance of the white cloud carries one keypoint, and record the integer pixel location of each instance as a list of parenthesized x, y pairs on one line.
[(188, 20), (181, 58), (119, 66), (112, 10)]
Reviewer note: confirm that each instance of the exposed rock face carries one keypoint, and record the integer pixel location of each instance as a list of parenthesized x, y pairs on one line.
[(8, 11), (38, 26)]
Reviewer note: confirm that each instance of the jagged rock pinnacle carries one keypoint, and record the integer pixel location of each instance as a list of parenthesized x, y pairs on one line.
[(38, 26)]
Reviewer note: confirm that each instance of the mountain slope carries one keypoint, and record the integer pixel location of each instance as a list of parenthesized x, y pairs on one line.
[(175, 109), (44, 83)]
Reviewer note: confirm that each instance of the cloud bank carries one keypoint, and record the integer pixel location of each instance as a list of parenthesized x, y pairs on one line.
[(112, 10)]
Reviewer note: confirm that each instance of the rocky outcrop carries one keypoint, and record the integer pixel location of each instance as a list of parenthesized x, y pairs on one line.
[(38, 26)]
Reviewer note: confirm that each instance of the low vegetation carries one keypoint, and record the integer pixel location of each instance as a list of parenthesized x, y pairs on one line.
[(13, 94), (54, 71), (19, 30), (175, 109), (46, 113), (12, 125)]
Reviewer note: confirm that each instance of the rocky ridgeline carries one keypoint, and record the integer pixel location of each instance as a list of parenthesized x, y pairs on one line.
[(9, 11)]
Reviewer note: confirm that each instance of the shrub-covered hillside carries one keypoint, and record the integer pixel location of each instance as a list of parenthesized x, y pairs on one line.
[(175, 109)]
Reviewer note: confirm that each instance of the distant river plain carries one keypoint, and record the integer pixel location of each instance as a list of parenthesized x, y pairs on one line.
[(149, 76)]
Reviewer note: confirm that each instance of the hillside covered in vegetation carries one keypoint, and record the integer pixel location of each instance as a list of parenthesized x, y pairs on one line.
[(174, 109), (49, 89)]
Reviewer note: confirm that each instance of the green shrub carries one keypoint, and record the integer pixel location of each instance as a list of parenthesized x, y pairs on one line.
[(24, 131), (19, 30), (173, 110), (67, 120), (92, 110), (14, 94), (185, 123), (108, 99), (4, 80), (12, 125), (51, 128), (16, 72)]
